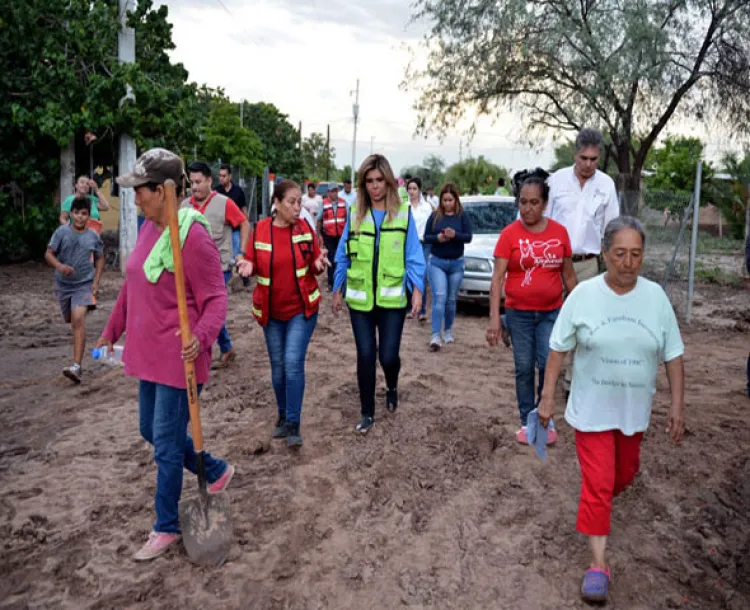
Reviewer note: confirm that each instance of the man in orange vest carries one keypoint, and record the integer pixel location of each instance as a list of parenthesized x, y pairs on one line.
[(331, 223)]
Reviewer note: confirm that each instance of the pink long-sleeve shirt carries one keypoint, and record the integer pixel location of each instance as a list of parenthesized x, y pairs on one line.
[(148, 312)]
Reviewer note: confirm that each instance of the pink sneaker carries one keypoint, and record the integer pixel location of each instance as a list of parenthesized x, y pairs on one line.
[(158, 543), (551, 436), (521, 436), (222, 482)]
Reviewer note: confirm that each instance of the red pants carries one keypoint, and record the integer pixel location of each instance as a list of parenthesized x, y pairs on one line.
[(609, 462)]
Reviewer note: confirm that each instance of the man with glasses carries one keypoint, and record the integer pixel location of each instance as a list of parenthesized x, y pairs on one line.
[(583, 199)]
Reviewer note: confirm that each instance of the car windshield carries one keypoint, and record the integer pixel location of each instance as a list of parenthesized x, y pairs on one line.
[(490, 217)]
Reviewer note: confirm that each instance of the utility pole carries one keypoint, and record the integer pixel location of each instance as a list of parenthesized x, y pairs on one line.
[(461, 150), (242, 124), (372, 142), (355, 108), (328, 152), (126, 159), (694, 240)]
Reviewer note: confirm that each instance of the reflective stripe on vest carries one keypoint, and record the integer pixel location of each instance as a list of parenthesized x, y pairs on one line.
[(264, 281), (259, 245), (257, 312), (315, 295), (302, 237), (302, 271), (391, 262)]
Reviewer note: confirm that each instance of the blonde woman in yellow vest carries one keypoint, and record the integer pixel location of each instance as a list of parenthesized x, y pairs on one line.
[(224, 216), (378, 260)]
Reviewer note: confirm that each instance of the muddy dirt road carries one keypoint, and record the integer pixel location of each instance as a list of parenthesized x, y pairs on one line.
[(437, 508)]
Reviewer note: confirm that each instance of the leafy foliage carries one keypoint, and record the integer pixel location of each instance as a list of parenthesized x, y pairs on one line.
[(431, 172), (626, 67), (732, 198), (317, 159), (279, 139), (61, 76), (475, 175), (226, 139)]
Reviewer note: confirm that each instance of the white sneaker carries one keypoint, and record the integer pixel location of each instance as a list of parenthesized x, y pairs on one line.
[(435, 343), (449, 337)]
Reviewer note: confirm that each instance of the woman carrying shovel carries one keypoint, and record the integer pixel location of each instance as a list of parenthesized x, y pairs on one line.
[(147, 311)]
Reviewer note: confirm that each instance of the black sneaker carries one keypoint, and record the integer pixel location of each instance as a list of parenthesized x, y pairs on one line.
[(364, 425), (293, 438), (391, 400), (280, 431)]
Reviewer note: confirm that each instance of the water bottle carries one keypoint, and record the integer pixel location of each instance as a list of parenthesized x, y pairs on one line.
[(105, 355)]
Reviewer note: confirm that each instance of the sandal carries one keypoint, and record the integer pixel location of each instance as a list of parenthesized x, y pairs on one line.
[(595, 585)]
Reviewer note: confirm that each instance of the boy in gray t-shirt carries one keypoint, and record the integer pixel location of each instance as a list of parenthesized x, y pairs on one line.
[(76, 254)]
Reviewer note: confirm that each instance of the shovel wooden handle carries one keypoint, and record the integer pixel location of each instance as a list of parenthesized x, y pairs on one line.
[(185, 332)]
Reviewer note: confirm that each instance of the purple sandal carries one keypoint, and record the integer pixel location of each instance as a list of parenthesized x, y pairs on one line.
[(595, 585)]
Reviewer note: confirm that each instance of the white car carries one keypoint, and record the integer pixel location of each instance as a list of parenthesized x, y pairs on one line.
[(489, 214)]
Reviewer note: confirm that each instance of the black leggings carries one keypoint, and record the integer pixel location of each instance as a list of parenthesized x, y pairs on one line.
[(390, 326)]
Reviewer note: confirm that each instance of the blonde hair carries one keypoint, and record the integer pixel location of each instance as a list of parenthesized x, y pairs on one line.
[(392, 198)]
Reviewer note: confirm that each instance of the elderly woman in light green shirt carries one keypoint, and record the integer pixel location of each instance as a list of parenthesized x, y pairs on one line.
[(622, 327)]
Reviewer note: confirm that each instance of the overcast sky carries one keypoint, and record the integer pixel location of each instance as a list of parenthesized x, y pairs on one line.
[(305, 56)]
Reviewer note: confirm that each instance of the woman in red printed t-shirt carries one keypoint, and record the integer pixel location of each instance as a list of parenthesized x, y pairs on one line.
[(536, 254), (284, 255)]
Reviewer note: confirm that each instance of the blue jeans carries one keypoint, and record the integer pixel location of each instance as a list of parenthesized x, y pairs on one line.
[(163, 417), (225, 343), (287, 348), (389, 324), (445, 278), (529, 333), (426, 249)]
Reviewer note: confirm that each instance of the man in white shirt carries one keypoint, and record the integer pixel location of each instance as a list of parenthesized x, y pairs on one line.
[(583, 199), (312, 201), (349, 195), (432, 198)]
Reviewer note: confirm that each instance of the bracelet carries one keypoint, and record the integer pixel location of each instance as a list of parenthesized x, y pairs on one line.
[(241, 252)]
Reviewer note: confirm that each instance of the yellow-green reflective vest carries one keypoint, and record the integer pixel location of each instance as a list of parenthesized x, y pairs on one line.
[(391, 263)]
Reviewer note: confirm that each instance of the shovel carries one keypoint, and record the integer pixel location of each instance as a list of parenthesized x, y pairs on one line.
[(205, 519)]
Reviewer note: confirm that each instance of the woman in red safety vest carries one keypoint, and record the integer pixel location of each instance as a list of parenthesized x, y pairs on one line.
[(285, 257)]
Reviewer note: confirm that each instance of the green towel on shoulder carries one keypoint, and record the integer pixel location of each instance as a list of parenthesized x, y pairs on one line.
[(160, 257)]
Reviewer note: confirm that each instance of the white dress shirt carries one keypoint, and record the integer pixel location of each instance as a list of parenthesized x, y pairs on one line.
[(421, 215), (584, 212)]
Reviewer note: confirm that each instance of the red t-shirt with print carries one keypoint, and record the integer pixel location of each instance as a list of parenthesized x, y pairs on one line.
[(286, 300), (535, 260)]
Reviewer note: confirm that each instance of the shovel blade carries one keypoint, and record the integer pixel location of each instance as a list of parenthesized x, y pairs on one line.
[(207, 531)]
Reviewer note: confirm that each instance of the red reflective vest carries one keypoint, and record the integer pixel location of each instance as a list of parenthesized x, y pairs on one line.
[(334, 223), (302, 246)]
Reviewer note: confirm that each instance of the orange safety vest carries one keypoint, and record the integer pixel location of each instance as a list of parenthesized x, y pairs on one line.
[(333, 224), (302, 246)]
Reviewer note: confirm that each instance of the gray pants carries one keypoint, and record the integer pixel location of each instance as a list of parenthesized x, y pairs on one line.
[(70, 297), (585, 270)]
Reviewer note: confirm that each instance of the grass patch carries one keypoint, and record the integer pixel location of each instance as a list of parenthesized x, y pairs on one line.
[(718, 276)]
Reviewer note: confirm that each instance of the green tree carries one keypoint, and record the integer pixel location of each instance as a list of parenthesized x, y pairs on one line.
[(280, 139), (475, 175), (674, 164), (346, 173), (431, 172), (627, 67), (226, 139), (733, 197), (317, 159), (61, 76)]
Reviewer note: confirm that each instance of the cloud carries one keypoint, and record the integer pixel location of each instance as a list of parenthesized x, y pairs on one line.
[(306, 56)]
